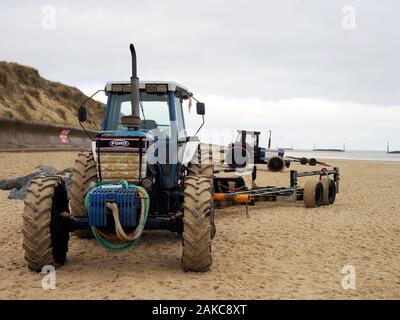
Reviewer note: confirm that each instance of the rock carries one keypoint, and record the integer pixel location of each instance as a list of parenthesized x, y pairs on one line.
[(19, 194), (46, 168), (20, 185), (6, 185), (17, 183)]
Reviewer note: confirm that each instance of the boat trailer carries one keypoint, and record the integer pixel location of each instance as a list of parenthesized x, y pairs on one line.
[(232, 190)]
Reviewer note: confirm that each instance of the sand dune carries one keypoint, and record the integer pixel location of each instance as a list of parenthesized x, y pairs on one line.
[(281, 251)]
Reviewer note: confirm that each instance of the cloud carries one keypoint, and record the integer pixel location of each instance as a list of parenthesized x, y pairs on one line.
[(275, 52), (302, 122)]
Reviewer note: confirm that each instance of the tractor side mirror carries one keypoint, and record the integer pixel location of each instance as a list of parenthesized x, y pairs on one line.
[(82, 114), (201, 109)]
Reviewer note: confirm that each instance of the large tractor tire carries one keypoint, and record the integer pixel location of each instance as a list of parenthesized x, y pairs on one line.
[(203, 162), (197, 224), (45, 232), (313, 193), (329, 196), (83, 176), (204, 166)]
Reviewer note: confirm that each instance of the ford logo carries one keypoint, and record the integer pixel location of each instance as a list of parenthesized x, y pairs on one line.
[(119, 143)]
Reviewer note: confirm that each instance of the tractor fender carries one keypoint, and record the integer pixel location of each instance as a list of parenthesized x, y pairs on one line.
[(187, 151)]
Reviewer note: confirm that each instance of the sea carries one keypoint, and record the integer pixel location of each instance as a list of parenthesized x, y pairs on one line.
[(347, 155)]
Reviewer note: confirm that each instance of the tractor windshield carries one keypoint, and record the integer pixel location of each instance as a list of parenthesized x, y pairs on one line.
[(154, 111)]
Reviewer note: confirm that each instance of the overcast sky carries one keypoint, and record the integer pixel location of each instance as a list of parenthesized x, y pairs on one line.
[(315, 72)]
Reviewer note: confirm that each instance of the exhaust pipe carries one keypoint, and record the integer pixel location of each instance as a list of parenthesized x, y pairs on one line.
[(269, 139), (135, 118)]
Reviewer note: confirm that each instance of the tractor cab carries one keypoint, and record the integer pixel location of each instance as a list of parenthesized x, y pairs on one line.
[(157, 138), (249, 140), (160, 107), (250, 137), (244, 151)]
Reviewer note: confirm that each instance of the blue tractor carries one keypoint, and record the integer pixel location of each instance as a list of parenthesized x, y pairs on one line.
[(142, 172), (246, 151)]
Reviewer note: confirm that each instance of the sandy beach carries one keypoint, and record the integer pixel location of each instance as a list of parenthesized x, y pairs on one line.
[(281, 251)]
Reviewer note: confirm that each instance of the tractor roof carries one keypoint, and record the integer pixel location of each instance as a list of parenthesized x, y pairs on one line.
[(125, 86), (249, 132)]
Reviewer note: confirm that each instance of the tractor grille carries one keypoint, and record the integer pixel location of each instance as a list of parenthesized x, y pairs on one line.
[(122, 166), (121, 158)]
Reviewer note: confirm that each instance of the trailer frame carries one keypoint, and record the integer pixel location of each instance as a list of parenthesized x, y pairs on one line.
[(231, 196)]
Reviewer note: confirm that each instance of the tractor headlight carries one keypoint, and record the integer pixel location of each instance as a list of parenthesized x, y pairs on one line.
[(162, 88), (127, 88), (117, 87), (153, 88)]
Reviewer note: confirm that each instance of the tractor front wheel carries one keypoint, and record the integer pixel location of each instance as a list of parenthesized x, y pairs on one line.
[(197, 224), (45, 232), (83, 176), (202, 163)]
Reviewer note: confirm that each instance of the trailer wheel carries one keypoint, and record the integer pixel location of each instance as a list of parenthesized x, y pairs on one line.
[(197, 224), (303, 161), (329, 191), (83, 175), (45, 233), (287, 163), (313, 194), (312, 162)]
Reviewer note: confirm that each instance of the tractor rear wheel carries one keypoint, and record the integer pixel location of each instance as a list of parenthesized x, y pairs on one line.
[(197, 224), (275, 164), (83, 176), (45, 232)]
